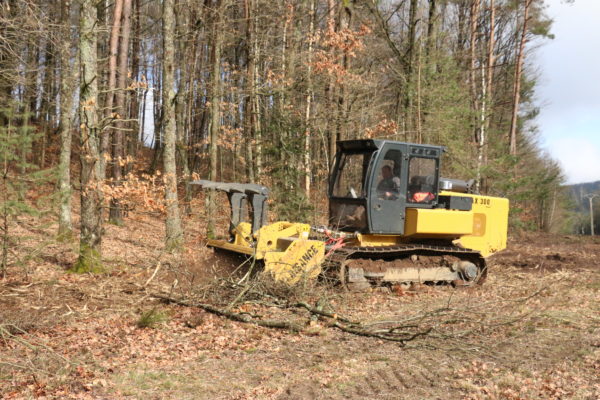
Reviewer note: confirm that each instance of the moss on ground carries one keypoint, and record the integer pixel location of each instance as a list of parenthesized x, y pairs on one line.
[(89, 260)]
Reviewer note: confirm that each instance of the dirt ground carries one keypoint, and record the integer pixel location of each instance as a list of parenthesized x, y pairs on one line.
[(531, 331)]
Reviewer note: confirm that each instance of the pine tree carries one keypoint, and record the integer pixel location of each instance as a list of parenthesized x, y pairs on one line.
[(17, 175)]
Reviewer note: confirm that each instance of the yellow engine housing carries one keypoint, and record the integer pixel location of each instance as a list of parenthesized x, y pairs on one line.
[(483, 228)]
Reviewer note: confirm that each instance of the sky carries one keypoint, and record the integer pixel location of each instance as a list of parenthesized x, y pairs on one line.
[(569, 92)]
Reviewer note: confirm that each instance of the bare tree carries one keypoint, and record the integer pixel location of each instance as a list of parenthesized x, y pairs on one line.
[(215, 100), (105, 137), (91, 192), (487, 80), (591, 198), (518, 77), (309, 95), (118, 144), (173, 223), (249, 112), (68, 77)]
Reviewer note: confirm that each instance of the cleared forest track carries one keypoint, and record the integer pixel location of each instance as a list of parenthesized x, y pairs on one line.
[(390, 382)]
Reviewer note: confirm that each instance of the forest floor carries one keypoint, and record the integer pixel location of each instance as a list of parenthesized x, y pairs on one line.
[(531, 331)]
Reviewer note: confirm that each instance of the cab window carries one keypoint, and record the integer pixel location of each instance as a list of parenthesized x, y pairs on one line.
[(351, 175), (387, 176), (422, 180)]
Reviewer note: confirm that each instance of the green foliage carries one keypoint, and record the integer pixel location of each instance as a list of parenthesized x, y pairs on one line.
[(540, 24), (448, 116), (532, 181), (16, 139), (152, 318), (18, 176), (295, 208), (288, 197)]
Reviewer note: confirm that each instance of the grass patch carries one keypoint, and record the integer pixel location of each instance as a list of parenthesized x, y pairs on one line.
[(145, 381), (139, 381), (593, 285), (152, 318)]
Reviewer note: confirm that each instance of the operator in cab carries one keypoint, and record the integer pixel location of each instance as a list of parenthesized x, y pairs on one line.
[(389, 186)]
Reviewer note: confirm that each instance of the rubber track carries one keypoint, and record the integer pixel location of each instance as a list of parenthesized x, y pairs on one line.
[(338, 257)]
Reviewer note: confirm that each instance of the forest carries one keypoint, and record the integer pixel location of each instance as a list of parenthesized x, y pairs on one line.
[(110, 109), (260, 92)]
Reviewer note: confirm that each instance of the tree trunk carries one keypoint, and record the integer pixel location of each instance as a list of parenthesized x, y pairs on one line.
[(46, 99), (133, 137), (418, 129), (463, 7), (517, 79), (258, 158), (331, 89), (105, 136), (188, 59), (68, 77), (309, 95), (249, 114), (157, 110), (409, 116), (345, 17), (431, 37), (91, 192), (472, 76), (116, 214), (487, 79), (174, 237), (473, 23), (288, 65), (215, 100)]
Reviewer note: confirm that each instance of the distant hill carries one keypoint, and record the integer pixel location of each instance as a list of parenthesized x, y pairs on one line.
[(581, 206), (578, 191)]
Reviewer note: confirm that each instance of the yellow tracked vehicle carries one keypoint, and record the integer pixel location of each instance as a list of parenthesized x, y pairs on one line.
[(392, 220)]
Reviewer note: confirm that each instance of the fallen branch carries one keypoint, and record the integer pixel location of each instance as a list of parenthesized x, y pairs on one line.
[(290, 326), (406, 337), (348, 326), (322, 313), (158, 264), (340, 323)]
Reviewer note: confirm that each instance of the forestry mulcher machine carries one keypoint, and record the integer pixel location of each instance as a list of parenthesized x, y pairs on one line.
[(392, 220)]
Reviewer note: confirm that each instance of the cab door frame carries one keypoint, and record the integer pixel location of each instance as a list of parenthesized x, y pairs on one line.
[(386, 216)]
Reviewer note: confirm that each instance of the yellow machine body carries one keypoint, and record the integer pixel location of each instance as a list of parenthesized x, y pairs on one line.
[(489, 227), (290, 256), (300, 260), (390, 215), (483, 228)]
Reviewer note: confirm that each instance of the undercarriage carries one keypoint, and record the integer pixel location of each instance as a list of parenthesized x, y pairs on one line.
[(360, 268)]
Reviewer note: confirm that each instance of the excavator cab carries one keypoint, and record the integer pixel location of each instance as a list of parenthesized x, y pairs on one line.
[(373, 182)]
